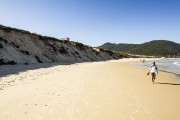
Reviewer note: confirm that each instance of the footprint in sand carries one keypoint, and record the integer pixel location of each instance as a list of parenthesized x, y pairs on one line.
[(107, 103), (87, 105), (131, 118), (81, 116), (135, 112), (97, 106), (130, 104), (96, 113)]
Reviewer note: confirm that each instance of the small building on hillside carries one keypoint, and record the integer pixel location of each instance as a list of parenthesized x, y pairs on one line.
[(65, 39)]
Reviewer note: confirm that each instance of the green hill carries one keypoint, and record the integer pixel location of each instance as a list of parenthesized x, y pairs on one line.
[(155, 48)]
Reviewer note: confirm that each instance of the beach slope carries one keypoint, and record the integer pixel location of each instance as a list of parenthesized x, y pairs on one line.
[(111, 90)]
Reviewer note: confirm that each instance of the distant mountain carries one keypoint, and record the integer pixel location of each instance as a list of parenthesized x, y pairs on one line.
[(155, 48)]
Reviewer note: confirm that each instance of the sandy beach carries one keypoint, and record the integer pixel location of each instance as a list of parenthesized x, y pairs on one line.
[(110, 90)]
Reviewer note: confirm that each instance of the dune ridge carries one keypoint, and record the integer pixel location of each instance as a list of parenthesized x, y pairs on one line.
[(22, 47)]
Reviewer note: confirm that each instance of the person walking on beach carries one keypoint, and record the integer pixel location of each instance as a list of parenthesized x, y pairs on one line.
[(153, 71)]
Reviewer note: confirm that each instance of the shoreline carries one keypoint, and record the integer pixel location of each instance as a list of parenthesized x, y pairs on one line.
[(175, 74), (135, 64)]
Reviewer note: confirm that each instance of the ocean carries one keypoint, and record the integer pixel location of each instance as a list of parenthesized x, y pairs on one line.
[(171, 65)]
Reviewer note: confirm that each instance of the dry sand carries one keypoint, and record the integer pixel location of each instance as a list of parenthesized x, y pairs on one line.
[(110, 90)]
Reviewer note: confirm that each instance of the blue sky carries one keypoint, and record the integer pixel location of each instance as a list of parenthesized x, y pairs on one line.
[(95, 22)]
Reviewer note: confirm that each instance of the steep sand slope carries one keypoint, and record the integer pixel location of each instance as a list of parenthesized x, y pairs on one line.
[(19, 46)]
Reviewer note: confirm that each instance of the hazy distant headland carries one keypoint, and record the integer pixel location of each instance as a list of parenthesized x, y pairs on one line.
[(160, 48)]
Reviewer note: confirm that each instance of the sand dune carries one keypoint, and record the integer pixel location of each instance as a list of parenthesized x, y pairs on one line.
[(22, 47), (110, 90)]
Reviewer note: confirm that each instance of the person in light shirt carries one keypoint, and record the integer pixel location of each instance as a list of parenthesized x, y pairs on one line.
[(153, 71)]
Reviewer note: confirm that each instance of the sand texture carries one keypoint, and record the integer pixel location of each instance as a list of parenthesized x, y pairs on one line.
[(111, 90)]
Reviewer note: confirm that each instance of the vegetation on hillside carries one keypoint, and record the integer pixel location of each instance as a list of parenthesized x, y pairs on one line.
[(155, 48)]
